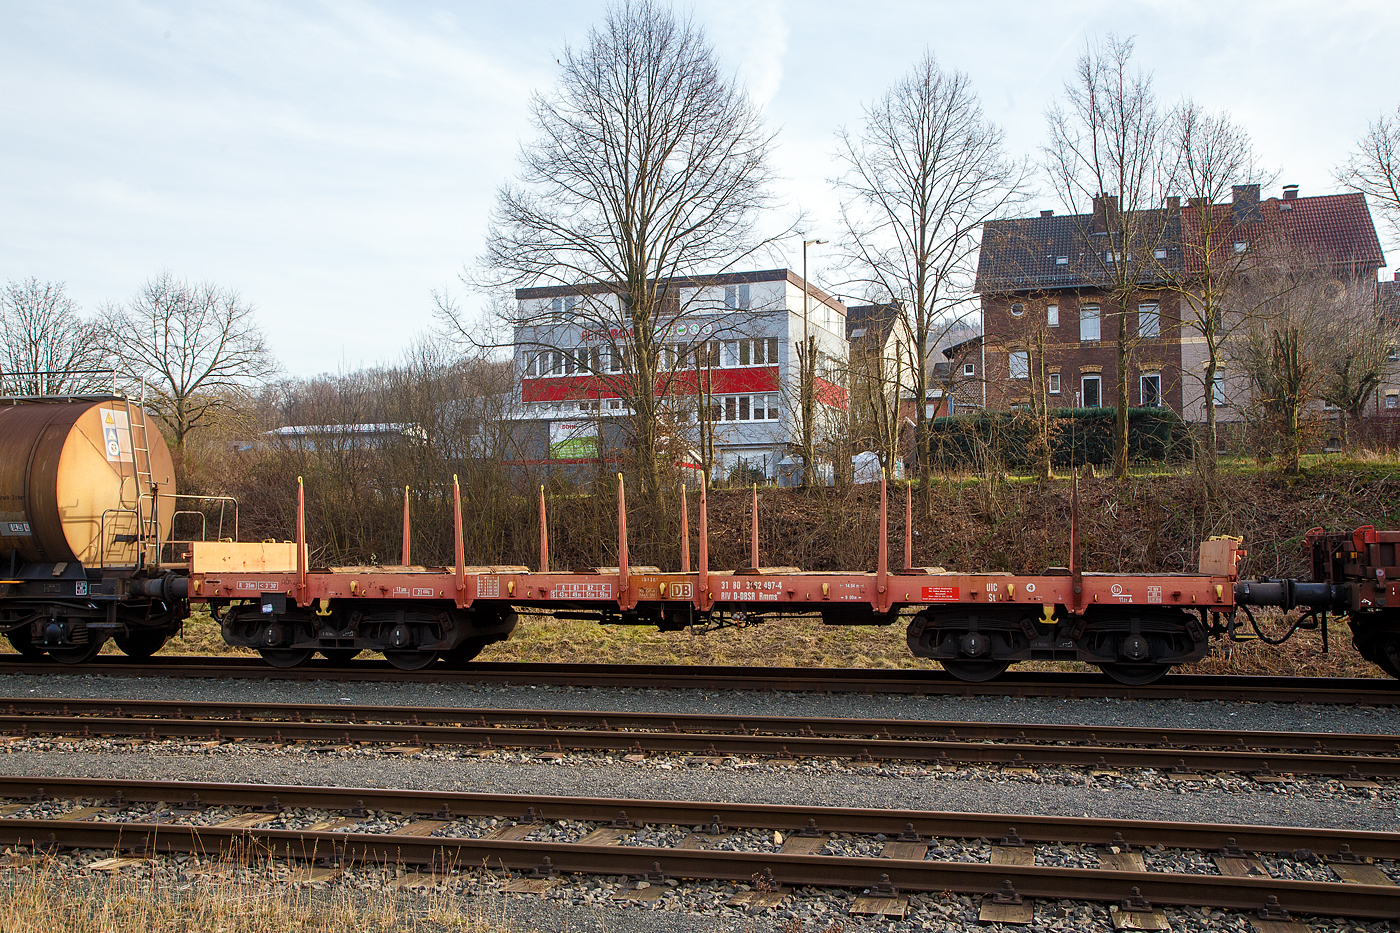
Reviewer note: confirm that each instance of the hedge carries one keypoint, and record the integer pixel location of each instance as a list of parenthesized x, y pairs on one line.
[(1077, 436)]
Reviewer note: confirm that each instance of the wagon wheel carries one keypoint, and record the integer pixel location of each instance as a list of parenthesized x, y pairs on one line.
[(340, 655), (411, 660), (1388, 657), (973, 670), (285, 657), (140, 644), (77, 654), (1135, 675), (464, 653), (21, 641)]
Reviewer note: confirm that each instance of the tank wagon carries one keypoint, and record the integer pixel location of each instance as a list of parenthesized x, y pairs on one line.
[(88, 500), (87, 503)]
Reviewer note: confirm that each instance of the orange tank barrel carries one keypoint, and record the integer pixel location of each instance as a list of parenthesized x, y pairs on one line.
[(75, 480)]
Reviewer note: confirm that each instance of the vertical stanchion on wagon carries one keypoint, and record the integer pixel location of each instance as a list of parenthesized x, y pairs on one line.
[(301, 544), (622, 581), (544, 535), (685, 534), (406, 553), (702, 579), (458, 548), (753, 529), (882, 569), (908, 527)]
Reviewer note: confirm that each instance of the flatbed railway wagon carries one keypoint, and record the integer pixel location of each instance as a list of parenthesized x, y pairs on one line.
[(1135, 627)]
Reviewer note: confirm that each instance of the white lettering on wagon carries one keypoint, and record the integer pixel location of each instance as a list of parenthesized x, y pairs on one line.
[(1154, 594), (581, 591), (422, 591), (1120, 594), (487, 587), (258, 586)]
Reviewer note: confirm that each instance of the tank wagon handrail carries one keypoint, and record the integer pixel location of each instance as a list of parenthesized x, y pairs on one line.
[(102, 533)]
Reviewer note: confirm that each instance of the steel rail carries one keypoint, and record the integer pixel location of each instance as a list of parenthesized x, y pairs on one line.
[(920, 682), (681, 736), (696, 723), (1236, 893), (782, 817)]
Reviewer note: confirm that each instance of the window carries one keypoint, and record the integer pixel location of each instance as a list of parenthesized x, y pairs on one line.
[(1052, 315), (1241, 246), (1392, 354), (1054, 383), (731, 408), (1061, 260), (617, 359), (1149, 320), (969, 369), (1392, 401), (707, 354), (743, 408), (1090, 396), (1150, 386), (532, 364), (1159, 254), (736, 297), (564, 305), (1218, 388), (1112, 256), (759, 351), (1020, 364), (1089, 325), (1018, 309), (772, 407)]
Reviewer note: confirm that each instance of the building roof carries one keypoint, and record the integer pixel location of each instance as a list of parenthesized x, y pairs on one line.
[(1335, 229), (1048, 252), (687, 281), (1388, 298), (871, 324)]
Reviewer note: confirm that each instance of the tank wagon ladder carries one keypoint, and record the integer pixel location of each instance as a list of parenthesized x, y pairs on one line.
[(148, 525)]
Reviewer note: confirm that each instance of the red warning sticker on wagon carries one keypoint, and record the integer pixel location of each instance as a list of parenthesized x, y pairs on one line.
[(942, 594)]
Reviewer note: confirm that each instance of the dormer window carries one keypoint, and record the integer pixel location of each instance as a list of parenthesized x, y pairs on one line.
[(1241, 246), (1159, 254), (1061, 260)]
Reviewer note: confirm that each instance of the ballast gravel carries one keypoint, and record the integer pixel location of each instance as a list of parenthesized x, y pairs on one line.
[(1184, 714)]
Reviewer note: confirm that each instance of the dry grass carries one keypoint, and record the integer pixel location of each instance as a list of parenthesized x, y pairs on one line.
[(52, 898)]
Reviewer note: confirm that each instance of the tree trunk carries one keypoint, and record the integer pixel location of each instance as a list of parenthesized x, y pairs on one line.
[(1120, 429)]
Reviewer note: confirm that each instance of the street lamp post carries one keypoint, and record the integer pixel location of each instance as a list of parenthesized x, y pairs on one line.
[(807, 377)]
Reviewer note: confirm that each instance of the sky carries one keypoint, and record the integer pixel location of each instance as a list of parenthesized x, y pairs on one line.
[(336, 162)]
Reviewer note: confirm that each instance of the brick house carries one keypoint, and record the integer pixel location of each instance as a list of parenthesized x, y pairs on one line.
[(1041, 283), (1042, 286)]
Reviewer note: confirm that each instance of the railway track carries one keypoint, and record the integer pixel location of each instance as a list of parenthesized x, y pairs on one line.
[(153, 817), (1353, 691), (1355, 757)]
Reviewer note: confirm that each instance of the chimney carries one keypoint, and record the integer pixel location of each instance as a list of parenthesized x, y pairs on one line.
[(1290, 192), (1105, 213), (1173, 205), (1244, 202), (1047, 213)]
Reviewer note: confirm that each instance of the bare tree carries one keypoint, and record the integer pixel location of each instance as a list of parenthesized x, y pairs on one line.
[(46, 347), (649, 165), (924, 173), (1211, 155), (1306, 344), (1374, 167), (194, 345), (1357, 346), (1107, 160)]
